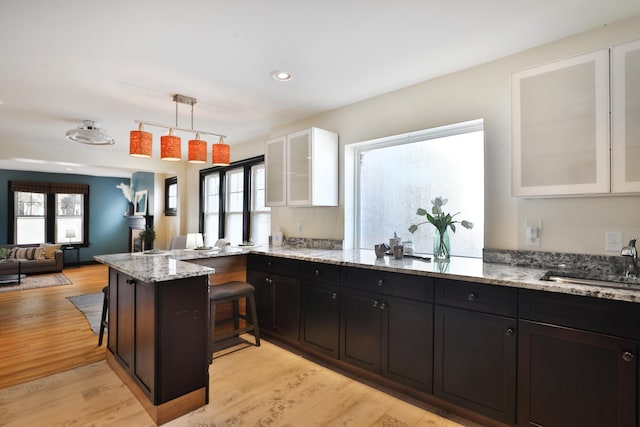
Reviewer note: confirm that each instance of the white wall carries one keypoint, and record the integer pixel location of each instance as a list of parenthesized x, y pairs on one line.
[(568, 224)]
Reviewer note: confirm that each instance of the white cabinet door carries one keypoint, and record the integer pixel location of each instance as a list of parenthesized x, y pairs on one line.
[(299, 161), (275, 159), (560, 127), (625, 117)]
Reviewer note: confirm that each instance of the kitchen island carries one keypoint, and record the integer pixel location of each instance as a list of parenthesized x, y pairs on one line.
[(158, 329)]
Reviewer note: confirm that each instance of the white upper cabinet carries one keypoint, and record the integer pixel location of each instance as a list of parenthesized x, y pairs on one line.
[(625, 117), (302, 169), (560, 127)]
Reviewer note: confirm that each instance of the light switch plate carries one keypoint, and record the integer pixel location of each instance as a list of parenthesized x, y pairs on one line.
[(613, 241)]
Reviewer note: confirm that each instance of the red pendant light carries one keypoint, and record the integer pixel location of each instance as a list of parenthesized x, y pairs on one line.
[(197, 150), (140, 143), (170, 147), (220, 153)]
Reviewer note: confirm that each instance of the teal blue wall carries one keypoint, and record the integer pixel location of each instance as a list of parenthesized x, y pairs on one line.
[(144, 181), (108, 227)]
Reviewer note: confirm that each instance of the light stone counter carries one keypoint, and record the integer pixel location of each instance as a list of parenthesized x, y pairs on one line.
[(458, 268), (159, 266)]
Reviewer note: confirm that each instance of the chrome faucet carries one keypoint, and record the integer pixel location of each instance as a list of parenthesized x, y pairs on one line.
[(631, 252)]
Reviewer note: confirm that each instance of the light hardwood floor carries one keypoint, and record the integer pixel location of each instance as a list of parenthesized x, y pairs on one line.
[(250, 386)]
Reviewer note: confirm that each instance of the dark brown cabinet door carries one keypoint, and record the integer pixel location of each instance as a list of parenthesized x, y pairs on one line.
[(475, 361), (125, 315), (407, 342), (360, 330), (286, 307), (263, 296), (145, 335), (320, 326), (569, 377)]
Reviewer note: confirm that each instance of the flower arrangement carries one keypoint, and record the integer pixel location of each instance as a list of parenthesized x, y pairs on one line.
[(441, 221), (126, 191)]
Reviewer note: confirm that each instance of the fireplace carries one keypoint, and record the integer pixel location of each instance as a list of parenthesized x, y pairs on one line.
[(136, 225)]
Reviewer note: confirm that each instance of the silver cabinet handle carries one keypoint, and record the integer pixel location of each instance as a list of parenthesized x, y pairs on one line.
[(375, 304), (382, 306), (268, 281), (627, 356), (509, 332), (380, 282), (334, 295), (317, 273), (472, 296)]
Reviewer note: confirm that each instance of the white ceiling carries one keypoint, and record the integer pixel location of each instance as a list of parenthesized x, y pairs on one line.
[(64, 61)]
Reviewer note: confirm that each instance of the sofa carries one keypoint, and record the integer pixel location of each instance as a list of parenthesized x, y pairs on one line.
[(45, 258)]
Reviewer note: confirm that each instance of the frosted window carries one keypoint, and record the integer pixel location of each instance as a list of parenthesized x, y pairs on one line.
[(398, 177)]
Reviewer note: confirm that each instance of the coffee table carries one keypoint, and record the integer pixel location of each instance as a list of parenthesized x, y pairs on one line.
[(11, 276)]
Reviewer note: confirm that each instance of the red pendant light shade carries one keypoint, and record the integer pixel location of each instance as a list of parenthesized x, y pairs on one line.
[(220, 154), (170, 147), (140, 143), (197, 150)]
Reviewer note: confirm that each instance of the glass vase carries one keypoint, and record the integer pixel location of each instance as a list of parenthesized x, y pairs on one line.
[(441, 245)]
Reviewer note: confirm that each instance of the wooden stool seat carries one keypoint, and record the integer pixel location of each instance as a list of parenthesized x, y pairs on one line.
[(104, 322), (233, 292)]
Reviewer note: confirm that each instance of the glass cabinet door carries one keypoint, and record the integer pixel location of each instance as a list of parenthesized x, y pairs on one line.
[(560, 127), (625, 117), (275, 165), (299, 160)]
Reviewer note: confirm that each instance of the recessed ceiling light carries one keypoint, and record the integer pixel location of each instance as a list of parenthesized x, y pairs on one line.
[(281, 76)]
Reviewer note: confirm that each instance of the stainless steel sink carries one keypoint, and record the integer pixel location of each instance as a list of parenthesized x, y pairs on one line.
[(608, 282)]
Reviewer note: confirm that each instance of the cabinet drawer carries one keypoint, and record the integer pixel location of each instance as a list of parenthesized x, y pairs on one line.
[(611, 317), (320, 272), (477, 296), (272, 264), (395, 284)]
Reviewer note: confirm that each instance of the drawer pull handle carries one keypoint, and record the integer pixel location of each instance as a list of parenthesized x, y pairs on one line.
[(380, 282), (472, 296), (382, 306), (627, 356), (317, 273), (269, 264), (375, 304), (509, 332), (268, 281), (334, 295)]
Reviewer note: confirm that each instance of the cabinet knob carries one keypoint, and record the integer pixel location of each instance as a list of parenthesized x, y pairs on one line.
[(375, 304), (382, 306), (627, 356), (131, 281), (268, 281), (472, 296), (380, 282), (334, 295), (269, 264), (509, 332), (317, 273)]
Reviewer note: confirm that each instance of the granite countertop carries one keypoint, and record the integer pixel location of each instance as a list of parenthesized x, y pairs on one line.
[(458, 268), (164, 265)]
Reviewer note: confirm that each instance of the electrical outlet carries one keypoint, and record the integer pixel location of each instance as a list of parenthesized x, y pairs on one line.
[(613, 241), (533, 231)]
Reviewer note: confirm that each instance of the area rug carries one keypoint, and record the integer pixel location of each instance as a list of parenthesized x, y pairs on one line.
[(91, 306), (37, 281)]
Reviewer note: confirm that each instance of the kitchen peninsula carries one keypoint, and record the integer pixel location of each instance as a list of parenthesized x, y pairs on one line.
[(158, 327)]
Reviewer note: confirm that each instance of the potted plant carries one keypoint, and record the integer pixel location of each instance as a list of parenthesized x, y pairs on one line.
[(148, 235), (4, 253)]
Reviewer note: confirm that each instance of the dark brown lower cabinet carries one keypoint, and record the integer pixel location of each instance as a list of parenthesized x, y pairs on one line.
[(570, 377), (277, 303), (320, 318), (389, 336), (158, 340), (475, 361)]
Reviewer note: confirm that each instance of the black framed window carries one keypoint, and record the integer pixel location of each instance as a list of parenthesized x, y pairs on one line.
[(41, 212), (232, 203), (171, 196)]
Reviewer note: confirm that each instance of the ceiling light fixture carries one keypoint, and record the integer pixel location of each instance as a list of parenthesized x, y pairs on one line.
[(89, 134), (170, 145), (281, 76), (220, 154)]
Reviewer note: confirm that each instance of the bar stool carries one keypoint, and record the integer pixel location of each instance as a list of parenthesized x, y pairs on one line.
[(233, 291), (104, 322)]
